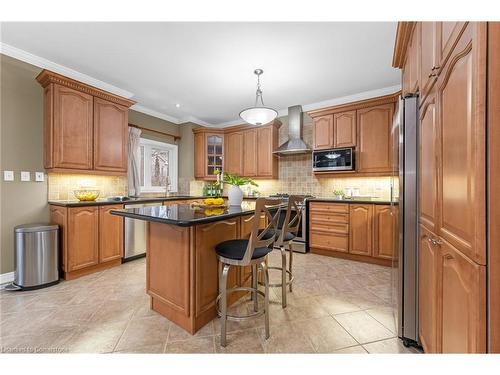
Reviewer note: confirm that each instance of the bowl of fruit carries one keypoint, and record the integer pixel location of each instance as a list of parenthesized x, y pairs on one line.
[(86, 194)]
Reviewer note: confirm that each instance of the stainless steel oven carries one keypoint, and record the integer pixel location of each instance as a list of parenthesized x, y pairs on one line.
[(339, 159)]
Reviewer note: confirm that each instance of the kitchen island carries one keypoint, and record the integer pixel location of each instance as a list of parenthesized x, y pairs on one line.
[(181, 264)]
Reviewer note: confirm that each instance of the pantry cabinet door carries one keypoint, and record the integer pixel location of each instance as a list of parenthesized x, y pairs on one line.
[(428, 263), (383, 237), (461, 99), (462, 303)]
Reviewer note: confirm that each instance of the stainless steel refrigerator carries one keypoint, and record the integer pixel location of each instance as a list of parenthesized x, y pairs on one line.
[(405, 204)]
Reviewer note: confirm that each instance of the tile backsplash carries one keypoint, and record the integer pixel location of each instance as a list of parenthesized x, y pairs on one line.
[(61, 186)]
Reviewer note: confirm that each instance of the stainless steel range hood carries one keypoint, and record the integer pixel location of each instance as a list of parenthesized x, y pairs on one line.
[(295, 144)]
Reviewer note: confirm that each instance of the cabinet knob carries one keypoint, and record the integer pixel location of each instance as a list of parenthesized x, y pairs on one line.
[(435, 67)]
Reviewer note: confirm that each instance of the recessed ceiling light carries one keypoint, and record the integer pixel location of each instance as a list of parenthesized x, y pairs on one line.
[(177, 105)]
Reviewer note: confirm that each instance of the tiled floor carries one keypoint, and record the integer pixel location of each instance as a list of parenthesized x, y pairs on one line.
[(337, 306)]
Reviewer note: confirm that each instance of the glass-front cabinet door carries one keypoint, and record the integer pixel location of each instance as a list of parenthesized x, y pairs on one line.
[(214, 152)]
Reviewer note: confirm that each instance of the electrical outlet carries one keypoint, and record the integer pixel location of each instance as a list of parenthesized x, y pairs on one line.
[(25, 176), (8, 175), (39, 176)]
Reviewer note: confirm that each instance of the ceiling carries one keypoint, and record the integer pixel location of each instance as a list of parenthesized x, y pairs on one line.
[(207, 68)]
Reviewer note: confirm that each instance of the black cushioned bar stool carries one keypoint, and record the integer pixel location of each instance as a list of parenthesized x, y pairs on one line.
[(251, 252), (286, 232)]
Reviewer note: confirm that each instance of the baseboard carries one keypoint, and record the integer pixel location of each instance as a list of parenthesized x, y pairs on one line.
[(6, 277)]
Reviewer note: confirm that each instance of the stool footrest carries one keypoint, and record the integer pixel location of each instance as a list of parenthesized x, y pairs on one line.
[(290, 277), (241, 318)]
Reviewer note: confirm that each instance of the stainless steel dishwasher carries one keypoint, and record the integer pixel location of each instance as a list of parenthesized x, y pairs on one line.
[(135, 234)]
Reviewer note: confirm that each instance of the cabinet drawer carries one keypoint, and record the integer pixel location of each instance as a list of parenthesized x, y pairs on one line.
[(329, 217), (330, 228), (329, 241), (329, 207)]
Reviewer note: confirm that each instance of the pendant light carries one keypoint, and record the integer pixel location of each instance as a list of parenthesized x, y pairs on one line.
[(259, 114)]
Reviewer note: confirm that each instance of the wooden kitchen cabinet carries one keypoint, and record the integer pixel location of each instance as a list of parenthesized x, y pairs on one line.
[(233, 154), (110, 234), (385, 220), (428, 260), (110, 136), (461, 100), (374, 152), (267, 161), (361, 226), (429, 63), (344, 129), (199, 155), (70, 129), (82, 237), (461, 302), (250, 153), (91, 238), (85, 128), (323, 132), (411, 68), (428, 165)]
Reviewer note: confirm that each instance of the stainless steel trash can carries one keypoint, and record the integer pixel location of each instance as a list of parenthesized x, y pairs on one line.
[(36, 255)]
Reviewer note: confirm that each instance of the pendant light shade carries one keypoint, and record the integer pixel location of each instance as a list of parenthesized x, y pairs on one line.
[(259, 114)]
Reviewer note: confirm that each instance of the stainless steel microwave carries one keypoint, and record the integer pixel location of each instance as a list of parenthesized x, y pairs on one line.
[(339, 159)]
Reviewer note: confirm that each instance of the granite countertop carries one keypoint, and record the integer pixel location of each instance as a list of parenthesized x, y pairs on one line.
[(353, 200), (105, 201), (185, 215)]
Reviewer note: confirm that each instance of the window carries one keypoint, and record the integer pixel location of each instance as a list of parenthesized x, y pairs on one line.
[(158, 161)]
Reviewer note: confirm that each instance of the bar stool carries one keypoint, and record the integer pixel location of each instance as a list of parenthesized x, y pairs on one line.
[(286, 232), (252, 252)]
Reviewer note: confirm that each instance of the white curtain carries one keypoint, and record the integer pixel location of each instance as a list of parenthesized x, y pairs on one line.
[(134, 181)]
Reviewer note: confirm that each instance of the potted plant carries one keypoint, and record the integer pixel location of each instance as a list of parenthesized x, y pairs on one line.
[(338, 194), (235, 194)]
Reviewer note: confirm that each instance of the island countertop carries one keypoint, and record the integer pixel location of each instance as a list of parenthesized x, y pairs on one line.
[(185, 215)]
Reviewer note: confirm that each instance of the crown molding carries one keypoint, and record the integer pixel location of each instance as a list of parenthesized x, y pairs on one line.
[(41, 62), (152, 112)]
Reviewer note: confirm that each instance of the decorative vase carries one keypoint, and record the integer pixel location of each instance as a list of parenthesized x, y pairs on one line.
[(235, 196)]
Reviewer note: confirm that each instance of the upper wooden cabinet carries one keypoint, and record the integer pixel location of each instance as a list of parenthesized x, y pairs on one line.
[(374, 152), (110, 136), (323, 132), (461, 100), (344, 129), (85, 129), (234, 151), (69, 129), (248, 151), (411, 67)]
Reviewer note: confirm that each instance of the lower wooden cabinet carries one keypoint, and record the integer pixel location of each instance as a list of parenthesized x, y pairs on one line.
[(365, 232), (91, 238), (361, 223), (110, 234)]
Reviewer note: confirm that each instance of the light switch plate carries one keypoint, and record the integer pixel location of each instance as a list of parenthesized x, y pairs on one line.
[(8, 175), (25, 176), (39, 176)]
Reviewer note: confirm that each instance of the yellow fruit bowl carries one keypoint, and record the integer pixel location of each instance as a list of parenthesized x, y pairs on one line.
[(86, 195)]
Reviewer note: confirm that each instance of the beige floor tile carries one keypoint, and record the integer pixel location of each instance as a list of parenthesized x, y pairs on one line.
[(363, 327), (114, 311), (352, 350), (196, 345), (336, 303), (285, 339), (390, 346), (50, 341), (247, 341), (149, 349), (25, 322), (144, 332), (96, 338), (386, 316), (325, 334)]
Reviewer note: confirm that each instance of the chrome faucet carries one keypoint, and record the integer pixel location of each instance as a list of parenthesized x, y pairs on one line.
[(167, 186)]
